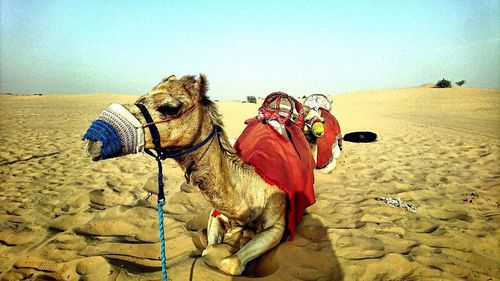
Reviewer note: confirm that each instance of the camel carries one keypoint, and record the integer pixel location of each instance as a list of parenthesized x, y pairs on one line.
[(322, 131), (248, 215)]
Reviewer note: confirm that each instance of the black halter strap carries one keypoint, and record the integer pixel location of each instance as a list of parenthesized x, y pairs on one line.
[(161, 154), (155, 134)]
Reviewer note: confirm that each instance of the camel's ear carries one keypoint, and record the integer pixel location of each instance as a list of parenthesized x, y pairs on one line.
[(171, 77), (202, 85)]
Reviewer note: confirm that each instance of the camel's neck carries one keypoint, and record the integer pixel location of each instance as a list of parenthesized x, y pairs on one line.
[(201, 167), (210, 169)]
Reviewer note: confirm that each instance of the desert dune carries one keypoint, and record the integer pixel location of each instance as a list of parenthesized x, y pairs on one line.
[(64, 217)]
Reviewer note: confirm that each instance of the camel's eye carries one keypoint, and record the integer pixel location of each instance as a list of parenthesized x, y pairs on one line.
[(169, 109)]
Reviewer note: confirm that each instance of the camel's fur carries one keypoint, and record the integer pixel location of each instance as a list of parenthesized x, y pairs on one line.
[(250, 207)]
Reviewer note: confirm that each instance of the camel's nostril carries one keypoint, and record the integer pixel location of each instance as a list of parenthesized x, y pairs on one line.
[(93, 149)]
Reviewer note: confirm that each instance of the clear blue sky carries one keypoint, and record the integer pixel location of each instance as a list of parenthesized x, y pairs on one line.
[(246, 47)]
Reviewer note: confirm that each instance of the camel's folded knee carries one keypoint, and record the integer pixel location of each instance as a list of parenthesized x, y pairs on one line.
[(222, 256)]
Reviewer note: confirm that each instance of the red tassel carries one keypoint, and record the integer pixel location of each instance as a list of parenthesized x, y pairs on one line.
[(215, 213)]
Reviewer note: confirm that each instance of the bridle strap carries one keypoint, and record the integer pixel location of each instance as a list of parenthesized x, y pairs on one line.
[(151, 123), (163, 155), (155, 134)]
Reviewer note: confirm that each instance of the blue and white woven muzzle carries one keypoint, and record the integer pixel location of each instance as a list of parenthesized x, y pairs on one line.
[(119, 132)]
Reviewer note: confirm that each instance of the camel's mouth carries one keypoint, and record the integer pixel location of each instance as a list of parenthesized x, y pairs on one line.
[(116, 132), (92, 149)]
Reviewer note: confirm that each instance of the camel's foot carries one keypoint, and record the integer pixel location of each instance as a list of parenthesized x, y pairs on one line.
[(218, 251), (216, 256), (232, 265), (204, 253)]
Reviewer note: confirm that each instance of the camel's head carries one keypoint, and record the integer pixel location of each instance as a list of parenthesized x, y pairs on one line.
[(175, 106), (313, 125)]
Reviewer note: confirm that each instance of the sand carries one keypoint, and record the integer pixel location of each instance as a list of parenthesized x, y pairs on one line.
[(63, 217)]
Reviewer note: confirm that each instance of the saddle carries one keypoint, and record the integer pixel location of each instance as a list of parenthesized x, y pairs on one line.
[(274, 144)]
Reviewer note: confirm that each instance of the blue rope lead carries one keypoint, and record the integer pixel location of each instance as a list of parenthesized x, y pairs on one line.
[(161, 203), (161, 195)]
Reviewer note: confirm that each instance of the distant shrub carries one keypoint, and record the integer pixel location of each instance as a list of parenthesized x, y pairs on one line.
[(251, 99), (460, 83), (443, 84)]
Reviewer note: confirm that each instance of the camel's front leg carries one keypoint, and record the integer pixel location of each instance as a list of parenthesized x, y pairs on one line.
[(215, 231), (261, 243)]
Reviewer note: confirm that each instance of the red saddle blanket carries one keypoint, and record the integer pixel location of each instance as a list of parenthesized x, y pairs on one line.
[(326, 142), (288, 164)]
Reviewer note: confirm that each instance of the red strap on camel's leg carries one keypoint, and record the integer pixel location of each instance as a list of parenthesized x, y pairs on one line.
[(215, 213)]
